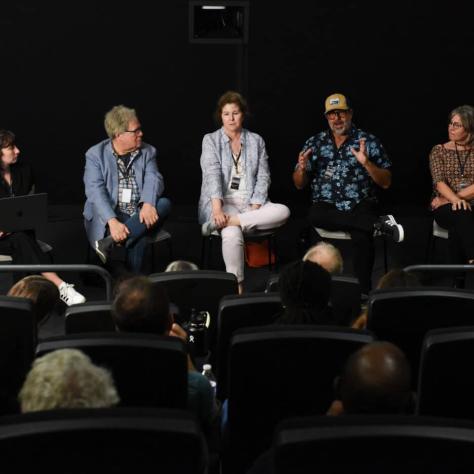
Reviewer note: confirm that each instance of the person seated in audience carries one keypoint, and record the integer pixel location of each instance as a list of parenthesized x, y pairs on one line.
[(42, 292), (327, 255), (395, 278), (305, 288), (376, 379), (181, 266), (143, 307), (67, 378), (16, 179)]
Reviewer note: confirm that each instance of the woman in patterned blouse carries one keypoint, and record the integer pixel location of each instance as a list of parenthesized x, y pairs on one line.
[(452, 170)]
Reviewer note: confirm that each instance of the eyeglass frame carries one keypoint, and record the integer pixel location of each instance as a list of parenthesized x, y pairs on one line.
[(455, 125), (136, 131), (332, 114)]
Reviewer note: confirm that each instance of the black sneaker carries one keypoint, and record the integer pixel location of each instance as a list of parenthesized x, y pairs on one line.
[(103, 247), (387, 225)]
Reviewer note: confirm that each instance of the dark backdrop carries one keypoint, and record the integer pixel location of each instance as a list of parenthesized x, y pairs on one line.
[(404, 64)]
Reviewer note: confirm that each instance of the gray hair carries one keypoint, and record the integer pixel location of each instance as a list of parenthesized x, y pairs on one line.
[(67, 378), (328, 256), (181, 266), (117, 119)]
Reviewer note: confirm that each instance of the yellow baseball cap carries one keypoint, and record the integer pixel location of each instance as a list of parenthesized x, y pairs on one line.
[(336, 102)]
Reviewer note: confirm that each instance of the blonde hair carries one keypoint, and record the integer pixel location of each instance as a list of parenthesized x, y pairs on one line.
[(67, 378), (43, 293), (326, 255), (117, 119)]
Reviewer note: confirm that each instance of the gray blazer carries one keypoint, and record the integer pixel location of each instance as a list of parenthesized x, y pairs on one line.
[(101, 184), (216, 165)]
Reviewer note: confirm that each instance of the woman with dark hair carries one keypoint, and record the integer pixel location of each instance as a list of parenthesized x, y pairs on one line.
[(452, 170), (16, 179), (305, 288), (235, 181)]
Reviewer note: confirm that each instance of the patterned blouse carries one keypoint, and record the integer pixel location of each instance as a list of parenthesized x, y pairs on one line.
[(446, 167), (335, 174)]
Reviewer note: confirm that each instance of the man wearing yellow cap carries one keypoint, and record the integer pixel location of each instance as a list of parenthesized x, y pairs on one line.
[(344, 166)]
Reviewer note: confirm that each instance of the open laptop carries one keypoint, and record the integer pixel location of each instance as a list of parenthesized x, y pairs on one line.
[(23, 212)]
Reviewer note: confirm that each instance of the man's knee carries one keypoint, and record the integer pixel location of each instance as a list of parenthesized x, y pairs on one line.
[(163, 207)]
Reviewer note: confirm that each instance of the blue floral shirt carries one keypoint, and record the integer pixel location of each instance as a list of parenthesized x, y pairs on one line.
[(335, 174)]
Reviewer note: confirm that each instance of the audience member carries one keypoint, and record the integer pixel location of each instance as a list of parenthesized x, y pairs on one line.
[(16, 179), (395, 278), (141, 306), (181, 266), (326, 255), (344, 166), (124, 192), (235, 182), (42, 292), (305, 288), (67, 378), (375, 380)]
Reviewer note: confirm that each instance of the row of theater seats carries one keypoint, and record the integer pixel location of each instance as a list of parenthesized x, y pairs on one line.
[(267, 374), (169, 441)]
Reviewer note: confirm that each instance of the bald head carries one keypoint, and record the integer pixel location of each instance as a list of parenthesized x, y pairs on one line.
[(326, 255), (376, 379)]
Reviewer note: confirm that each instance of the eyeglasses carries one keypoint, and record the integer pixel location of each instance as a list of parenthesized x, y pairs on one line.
[(336, 113), (136, 131), (455, 125)]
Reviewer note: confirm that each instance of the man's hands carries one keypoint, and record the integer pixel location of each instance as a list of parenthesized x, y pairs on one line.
[(303, 159), (148, 215), (455, 205), (118, 231), (361, 154)]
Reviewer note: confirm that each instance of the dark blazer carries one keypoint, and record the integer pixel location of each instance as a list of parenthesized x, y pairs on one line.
[(22, 180)]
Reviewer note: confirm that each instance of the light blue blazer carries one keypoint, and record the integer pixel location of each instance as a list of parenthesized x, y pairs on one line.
[(101, 184), (216, 165)]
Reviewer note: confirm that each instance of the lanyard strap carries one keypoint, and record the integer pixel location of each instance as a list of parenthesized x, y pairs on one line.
[(461, 164)]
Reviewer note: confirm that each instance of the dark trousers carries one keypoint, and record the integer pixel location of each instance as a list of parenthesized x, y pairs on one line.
[(359, 223), (24, 250), (460, 224)]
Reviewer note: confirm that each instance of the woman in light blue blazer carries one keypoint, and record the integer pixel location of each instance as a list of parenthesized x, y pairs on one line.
[(235, 182)]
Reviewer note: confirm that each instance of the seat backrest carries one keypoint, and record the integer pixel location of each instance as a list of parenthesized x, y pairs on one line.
[(445, 384), (404, 315), (148, 370), (18, 335), (281, 371), (103, 440), (373, 444), (345, 298), (237, 312), (92, 316), (198, 289)]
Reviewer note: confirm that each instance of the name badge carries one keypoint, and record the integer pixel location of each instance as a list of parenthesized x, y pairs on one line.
[(126, 195), (235, 183)]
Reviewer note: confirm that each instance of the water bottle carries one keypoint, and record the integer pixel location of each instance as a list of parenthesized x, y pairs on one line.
[(207, 372)]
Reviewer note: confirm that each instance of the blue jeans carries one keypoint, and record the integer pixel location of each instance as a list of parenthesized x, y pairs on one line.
[(137, 239)]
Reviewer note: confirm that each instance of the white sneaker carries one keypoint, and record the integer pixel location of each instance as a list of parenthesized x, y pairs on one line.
[(208, 228), (69, 295)]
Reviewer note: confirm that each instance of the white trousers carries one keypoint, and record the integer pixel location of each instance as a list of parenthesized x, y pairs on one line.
[(269, 216)]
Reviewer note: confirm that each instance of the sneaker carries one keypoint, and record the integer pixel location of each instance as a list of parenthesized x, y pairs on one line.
[(387, 225), (69, 295), (102, 248), (208, 228)]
